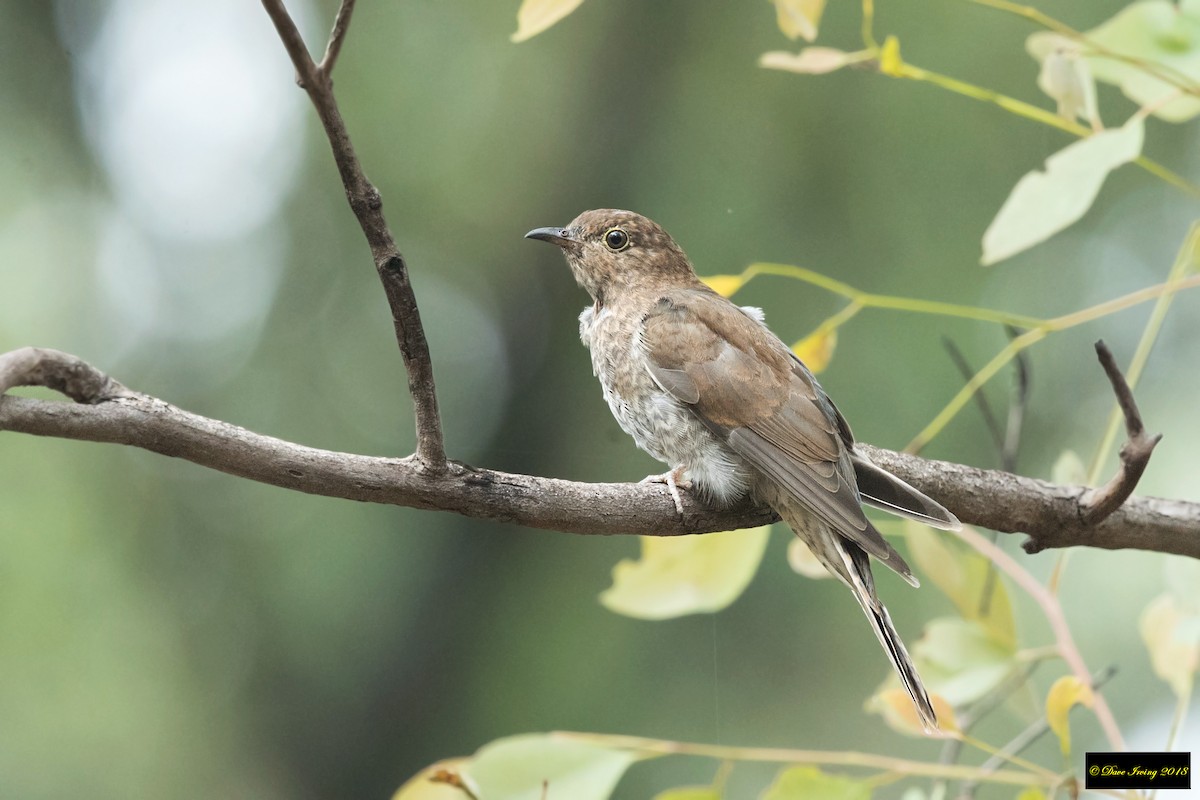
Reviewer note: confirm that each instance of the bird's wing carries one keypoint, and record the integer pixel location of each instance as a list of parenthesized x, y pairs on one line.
[(882, 489), (876, 486), (744, 385)]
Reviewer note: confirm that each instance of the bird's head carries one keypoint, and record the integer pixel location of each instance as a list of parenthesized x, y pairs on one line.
[(610, 249)]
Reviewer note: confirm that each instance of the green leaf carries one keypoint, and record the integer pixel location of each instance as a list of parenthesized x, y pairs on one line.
[(1064, 694), (1043, 203), (1156, 33), (962, 573), (960, 661), (689, 793), (810, 783), (680, 575), (517, 767), (535, 16)]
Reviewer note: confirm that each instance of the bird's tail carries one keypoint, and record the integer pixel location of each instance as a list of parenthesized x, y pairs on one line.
[(852, 565), (881, 622), (862, 584)]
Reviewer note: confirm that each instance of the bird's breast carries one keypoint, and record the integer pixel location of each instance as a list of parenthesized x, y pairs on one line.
[(660, 424)]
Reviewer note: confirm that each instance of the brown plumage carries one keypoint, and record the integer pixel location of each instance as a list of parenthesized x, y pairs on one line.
[(702, 385)]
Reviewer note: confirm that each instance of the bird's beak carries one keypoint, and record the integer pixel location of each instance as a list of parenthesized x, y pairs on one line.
[(558, 236)]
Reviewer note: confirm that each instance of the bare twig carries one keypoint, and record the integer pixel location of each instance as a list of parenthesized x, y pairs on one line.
[(985, 407), (337, 36), (62, 372), (367, 206), (1006, 441), (992, 499), (1022, 740), (779, 755), (1016, 406), (1053, 611), (977, 711), (1135, 453)]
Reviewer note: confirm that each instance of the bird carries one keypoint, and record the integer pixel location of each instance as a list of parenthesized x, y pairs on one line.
[(704, 386)]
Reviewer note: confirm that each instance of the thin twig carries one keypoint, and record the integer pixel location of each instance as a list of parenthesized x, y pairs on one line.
[(1135, 453), (1016, 407), (997, 500), (367, 206), (985, 407), (1022, 740), (780, 755), (977, 711), (1007, 441), (1052, 610), (341, 24)]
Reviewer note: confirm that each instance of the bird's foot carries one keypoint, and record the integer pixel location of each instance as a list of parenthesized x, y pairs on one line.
[(675, 481)]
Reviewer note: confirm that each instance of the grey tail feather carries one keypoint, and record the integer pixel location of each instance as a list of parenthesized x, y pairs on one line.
[(882, 489), (862, 585), (881, 621)]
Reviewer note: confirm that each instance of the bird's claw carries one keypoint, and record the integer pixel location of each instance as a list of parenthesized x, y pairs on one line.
[(675, 481)]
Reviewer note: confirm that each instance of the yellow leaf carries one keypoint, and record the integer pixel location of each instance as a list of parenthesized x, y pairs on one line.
[(536, 16), (679, 575), (889, 58), (799, 18), (1032, 793), (898, 711), (724, 285), (438, 782), (801, 559), (1065, 693), (810, 60), (690, 793), (1172, 635), (816, 349)]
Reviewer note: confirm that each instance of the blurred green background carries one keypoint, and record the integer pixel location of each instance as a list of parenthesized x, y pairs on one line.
[(170, 212)]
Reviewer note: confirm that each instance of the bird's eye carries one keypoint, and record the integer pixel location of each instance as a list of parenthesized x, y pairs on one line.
[(616, 239)]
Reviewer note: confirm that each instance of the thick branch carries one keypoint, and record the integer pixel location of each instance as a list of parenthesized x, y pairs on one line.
[(146, 422), (1050, 514), (367, 206)]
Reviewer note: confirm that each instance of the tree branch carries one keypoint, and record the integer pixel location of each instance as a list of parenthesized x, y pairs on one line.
[(367, 206), (105, 411), (1050, 514), (341, 24)]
